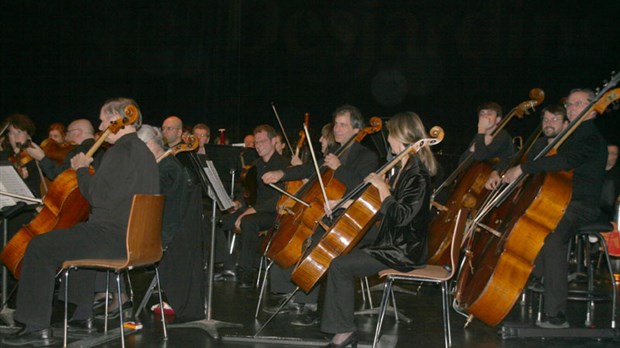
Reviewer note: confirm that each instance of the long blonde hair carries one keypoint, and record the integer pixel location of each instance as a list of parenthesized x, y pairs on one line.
[(407, 127)]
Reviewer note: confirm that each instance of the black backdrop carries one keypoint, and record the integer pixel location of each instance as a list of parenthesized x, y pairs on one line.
[(223, 62)]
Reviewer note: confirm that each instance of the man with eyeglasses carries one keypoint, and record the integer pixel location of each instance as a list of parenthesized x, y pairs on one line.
[(553, 122), (79, 132), (172, 129), (202, 132), (584, 152), (250, 220)]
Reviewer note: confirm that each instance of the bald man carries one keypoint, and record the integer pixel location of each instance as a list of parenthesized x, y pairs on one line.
[(79, 132), (172, 129)]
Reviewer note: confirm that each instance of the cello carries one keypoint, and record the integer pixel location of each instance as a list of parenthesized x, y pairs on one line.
[(190, 145), (468, 190), (351, 226), (295, 227), (293, 187), (63, 205), (508, 233)]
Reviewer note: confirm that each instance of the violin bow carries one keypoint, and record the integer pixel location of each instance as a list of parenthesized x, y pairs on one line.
[(273, 106)]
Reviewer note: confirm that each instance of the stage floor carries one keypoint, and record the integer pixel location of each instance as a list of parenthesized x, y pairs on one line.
[(234, 305)]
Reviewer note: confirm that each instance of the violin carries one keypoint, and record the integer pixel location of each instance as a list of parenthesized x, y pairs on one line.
[(56, 151), (63, 205)]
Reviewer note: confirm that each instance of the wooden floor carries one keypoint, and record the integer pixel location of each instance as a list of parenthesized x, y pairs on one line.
[(233, 305)]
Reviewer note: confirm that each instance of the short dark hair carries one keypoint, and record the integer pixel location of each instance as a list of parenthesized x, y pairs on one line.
[(21, 122), (491, 106), (555, 109)]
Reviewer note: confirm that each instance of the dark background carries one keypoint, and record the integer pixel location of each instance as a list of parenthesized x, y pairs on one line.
[(224, 62)]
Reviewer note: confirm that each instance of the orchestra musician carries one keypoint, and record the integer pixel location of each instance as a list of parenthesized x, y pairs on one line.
[(250, 220), (350, 169), (19, 132), (102, 236), (484, 146), (584, 151), (402, 238), (181, 266), (202, 132), (80, 132), (553, 122), (57, 132)]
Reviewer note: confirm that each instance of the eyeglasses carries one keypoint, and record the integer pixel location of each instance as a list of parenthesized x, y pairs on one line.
[(261, 142), (201, 135), (170, 128), (577, 104), (71, 130), (552, 119)]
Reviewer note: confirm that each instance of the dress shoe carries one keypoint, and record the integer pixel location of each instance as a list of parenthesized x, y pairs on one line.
[(37, 338), (77, 325), (553, 322), (85, 325), (288, 308), (225, 275), (351, 340), (307, 317), (127, 308), (245, 280)]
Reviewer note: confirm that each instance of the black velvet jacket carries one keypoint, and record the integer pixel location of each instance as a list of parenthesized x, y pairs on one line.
[(403, 235)]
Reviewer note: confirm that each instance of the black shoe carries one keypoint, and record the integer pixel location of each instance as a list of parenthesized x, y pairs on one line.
[(553, 322), (351, 340), (308, 317), (114, 313), (38, 338), (78, 326), (290, 307), (536, 285), (85, 325), (225, 275), (246, 280)]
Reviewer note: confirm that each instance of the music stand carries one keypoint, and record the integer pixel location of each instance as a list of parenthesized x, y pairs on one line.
[(213, 185), (14, 197)]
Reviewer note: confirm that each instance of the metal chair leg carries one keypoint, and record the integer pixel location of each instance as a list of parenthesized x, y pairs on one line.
[(120, 308), (387, 290), (161, 304)]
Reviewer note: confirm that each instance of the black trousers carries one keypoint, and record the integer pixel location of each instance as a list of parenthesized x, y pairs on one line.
[(339, 303), (45, 255), (552, 264)]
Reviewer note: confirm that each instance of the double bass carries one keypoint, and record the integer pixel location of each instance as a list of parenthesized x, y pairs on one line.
[(295, 227), (347, 230), (468, 190), (508, 233), (63, 205)]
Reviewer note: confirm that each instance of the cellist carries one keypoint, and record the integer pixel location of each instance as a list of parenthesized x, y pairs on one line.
[(350, 169), (401, 242), (584, 152), (126, 169), (553, 119), (79, 132)]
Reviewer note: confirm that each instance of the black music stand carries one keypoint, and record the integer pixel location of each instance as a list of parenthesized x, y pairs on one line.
[(10, 206), (212, 184)]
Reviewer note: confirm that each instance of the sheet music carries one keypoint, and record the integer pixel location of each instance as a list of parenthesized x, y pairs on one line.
[(11, 182), (223, 200)]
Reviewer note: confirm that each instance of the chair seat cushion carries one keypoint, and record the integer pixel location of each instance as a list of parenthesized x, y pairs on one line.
[(96, 263), (428, 272)]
